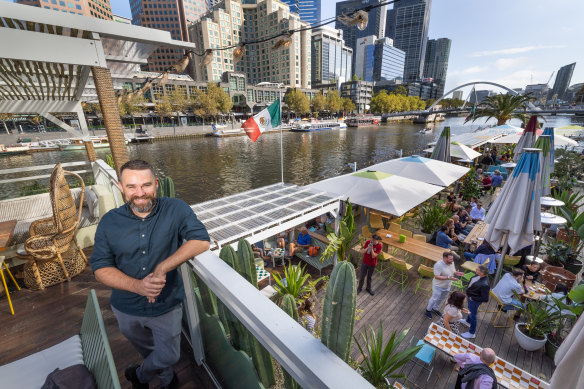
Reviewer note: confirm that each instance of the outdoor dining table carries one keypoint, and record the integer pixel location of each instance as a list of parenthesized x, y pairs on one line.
[(477, 234), (425, 250), (534, 290)]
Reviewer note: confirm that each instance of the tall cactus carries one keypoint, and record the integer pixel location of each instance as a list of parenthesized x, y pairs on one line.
[(338, 313), (246, 264), (165, 187), (288, 305)]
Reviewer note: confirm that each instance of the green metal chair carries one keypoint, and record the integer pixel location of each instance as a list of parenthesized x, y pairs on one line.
[(383, 260), (424, 271), (399, 274)]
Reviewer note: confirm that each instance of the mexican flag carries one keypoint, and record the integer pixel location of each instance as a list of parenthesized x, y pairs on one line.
[(265, 120)]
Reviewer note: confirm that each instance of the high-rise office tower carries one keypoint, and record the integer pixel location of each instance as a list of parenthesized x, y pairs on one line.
[(290, 63), (100, 9), (167, 15), (407, 25), (379, 60), (331, 59), (562, 82), (363, 49), (375, 26), (436, 63), (309, 10), (222, 26)]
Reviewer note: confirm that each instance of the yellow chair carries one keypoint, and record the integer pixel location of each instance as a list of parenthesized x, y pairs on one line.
[(511, 261), (2, 267), (407, 233), (375, 221), (509, 321), (472, 266), (394, 227), (399, 274), (382, 262), (366, 232), (424, 271), (421, 238)]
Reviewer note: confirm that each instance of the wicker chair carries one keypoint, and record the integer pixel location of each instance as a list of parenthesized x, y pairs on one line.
[(54, 239)]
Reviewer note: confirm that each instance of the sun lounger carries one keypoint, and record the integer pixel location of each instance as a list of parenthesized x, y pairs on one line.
[(508, 375)]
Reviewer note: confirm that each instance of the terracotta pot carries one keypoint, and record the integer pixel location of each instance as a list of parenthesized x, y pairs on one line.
[(570, 237), (551, 275)]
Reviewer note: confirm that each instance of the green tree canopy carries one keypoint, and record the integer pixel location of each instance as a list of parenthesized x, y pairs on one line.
[(400, 90), (355, 78), (220, 98), (318, 102), (163, 107), (333, 101), (297, 101), (501, 107), (348, 105)]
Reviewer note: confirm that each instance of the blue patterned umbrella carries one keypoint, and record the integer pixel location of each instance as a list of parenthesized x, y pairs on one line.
[(515, 215), (442, 150)]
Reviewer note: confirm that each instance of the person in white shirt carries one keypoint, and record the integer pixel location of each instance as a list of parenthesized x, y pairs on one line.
[(444, 274), (508, 286), (477, 213)]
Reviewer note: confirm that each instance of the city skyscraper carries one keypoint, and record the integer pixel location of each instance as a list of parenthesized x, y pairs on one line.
[(388, 61), (330, 58), (100, 9), (309, 10), (436, 62), (375, 26), (168, 15), (407, 25), (563, 79)]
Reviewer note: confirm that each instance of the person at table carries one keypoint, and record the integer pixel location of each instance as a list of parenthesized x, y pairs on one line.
[(476, 293), (510, 285), (473, 202), (487, 183), (474, 372), (444, 274), (371, 249), (477, 213), (451, 197), (532, 271), (282, 239), (302, 242), (484, 248), (561, 294), (497, 179), (487, 160), (461, 229), (453, 312), (464, 215), (443, 240)]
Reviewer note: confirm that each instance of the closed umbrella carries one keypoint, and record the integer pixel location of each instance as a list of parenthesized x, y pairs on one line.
[(544, 144), (527, 139), (550, 131), (460, 151), (442, 150), (515, 215), (385, 192), (422, 169), (569, 373)]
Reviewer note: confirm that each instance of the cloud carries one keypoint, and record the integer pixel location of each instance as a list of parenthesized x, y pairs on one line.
[(508, 63), (514, 50)]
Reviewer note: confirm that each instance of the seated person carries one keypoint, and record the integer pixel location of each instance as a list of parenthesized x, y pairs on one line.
[(464, 215), (306, 317), (487, 183), (452, 206), (460, 228), (485, 248), (561, 294), (282, 239), (477, 213), (312, 225), (451, 197), (259, 251), (444, 241), (487, 160), (509, 285), (473, 201), (302, 242), (532, 271), (497, 179)]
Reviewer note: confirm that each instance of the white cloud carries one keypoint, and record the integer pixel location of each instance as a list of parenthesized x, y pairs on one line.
[(509, 63), (514, 50)]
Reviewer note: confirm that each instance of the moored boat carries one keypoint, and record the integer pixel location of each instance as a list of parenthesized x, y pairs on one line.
[(13, 150), (317, 126), (99, 142), (362, 121)]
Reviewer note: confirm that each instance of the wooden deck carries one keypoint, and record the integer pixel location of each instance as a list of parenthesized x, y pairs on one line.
[(45, 318)]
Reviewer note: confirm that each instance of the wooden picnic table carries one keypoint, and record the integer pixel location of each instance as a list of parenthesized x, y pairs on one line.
[(425, 250), (477, 234), (6, 231), (532, 287)]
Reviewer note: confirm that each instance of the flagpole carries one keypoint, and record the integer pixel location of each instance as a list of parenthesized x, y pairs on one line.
[(281, 143)]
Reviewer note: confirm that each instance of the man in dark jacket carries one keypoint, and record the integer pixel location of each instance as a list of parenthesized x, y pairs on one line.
[(484, 248), (477, 293)]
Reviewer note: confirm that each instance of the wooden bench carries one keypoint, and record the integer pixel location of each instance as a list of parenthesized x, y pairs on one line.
[(508, 375), (322, 242)]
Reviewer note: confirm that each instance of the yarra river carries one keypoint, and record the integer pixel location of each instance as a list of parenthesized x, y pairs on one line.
[(209, 168)]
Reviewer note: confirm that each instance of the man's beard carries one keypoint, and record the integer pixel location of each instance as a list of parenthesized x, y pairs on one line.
[(144, 208)]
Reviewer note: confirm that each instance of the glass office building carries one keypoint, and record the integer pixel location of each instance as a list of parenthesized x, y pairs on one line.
[(436, 63), (309, 10), (381, 61), (563, 79), (331, 59)]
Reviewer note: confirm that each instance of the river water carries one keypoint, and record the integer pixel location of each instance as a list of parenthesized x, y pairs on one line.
[(209, 168)]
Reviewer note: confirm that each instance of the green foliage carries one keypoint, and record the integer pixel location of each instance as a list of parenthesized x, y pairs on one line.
[(355, 78), (318, 103), (450, 103), (568, 168), (400, 90), (165, 187), (341, 244), (471, 186), (35, 188), (384, 103), (538, 319), (297, 101), (557, 253), (381, 361), (296, 282), (574, 219), (333, 101), (501, 107), (109, 159), (431, 217), (163, 106), (288, 305), (245, 265), (338, 312), (348, 105)]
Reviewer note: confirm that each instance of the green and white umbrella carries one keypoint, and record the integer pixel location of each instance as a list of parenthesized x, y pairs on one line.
[(385, 192), (544, 144), (527, 138), (442, 150)]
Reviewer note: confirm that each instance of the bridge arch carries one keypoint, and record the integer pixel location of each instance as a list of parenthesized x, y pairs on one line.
[(472, 83)]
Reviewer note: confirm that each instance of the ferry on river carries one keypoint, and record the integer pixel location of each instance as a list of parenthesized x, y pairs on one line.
[(362, 121), (317, 126), (12, 150), (99, 142)]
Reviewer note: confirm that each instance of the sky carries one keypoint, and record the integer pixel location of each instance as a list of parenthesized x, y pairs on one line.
[(510, 42)]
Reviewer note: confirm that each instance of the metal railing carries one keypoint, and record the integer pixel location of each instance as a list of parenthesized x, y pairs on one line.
[(16, 171)]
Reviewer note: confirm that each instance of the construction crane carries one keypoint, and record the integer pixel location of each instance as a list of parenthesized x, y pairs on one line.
[(549, 79)]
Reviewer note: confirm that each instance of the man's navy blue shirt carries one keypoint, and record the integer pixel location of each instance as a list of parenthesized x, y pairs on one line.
[(137, 245)]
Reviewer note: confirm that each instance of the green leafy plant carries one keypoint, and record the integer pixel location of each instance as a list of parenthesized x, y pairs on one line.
[(431, 216), (109, 159), (557, 253), (560, 305), (295, 282), (568, 169), (574, 220), (381, 361), (471, 186), (347, 237), (538, 321)]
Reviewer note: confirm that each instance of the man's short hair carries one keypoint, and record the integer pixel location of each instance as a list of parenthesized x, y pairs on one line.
[(443, 228), (518, 272), (136, 164), (446, 254), (376, 237), (483, 269), (488, 356), (497, 173)]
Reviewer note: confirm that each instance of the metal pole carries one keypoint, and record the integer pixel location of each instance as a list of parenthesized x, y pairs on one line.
[(503, 253), (281, 142)]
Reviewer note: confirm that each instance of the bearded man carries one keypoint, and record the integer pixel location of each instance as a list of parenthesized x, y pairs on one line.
[(137, 250)]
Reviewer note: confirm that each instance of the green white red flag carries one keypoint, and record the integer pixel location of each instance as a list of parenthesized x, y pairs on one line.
[(268, 118)]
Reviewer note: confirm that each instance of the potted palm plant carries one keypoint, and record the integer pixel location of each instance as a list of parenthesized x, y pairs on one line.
[(531, 334), (381, 361), (431, 217), (566, 311)]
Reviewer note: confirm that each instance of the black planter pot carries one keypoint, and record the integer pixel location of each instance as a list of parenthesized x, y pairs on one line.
[(575, 266), (551, 348)]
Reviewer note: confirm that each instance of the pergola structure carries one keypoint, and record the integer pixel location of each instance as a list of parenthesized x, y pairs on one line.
[(51, 61)]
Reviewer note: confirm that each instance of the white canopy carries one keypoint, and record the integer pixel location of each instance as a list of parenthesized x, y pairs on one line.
[(385, 192), (460, 151), (422, 169), (559, 140)]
